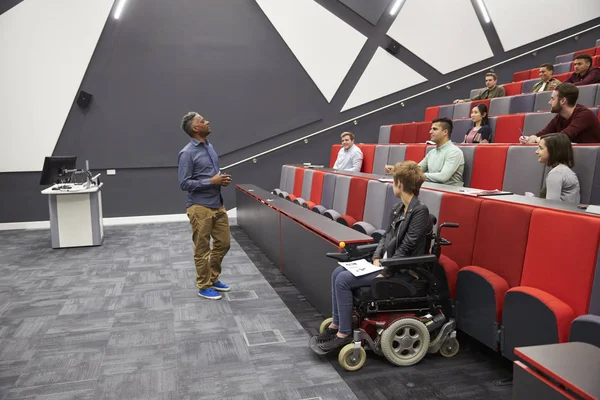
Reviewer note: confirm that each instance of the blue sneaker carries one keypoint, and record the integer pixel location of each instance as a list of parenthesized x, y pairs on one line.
[(209, 293), (220, 286)]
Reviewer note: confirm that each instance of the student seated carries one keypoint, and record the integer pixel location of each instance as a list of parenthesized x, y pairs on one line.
[(350, 157), (584, 73), (406, 236), (579, 123), (491, 89), (556, 152), (546, 82), (481, 132)]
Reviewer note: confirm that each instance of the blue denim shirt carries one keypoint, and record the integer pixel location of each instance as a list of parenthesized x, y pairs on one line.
[(198, 162)]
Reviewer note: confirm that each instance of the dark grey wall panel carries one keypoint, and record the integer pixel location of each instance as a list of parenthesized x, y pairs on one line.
[(371, 10), (161, 59), (6, 5)]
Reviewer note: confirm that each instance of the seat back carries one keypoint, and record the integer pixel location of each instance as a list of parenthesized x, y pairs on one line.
[(469, 155), (382, 153), (283, 177), (397, 154), (329, 185), (562, 68), (396, 133), (587, 162), (492, 121), (431, 113), (375, 203), (368, 151), (590, 52), (501, 239), (433, 200), (563, 58), (298, 181), (475, 92), (587, 95), (464, 210), (462, 110), (488, 167), (316, 190), (523, 173), (410, 133), (541, 101), (307, 183), (446, 110), (535, 122), (534, 73), (522, 103), (335, 149), (423, 129), (340, 195), (507, 128), (390, 201), (460, 128), (528, 85), (562, 256), (291, 177), (499, 106), (415, 152), (521, 75), (384, 134), (357, 193), (597, 96), (512, 89)]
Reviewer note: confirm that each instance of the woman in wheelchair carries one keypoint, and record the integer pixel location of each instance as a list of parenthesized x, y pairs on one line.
[(406, 236)]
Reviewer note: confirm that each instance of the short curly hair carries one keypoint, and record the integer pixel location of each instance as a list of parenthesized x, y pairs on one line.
[(186, 122), (411, 175)]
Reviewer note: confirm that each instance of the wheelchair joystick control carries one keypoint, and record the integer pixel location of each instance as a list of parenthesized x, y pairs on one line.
[(342, 245)]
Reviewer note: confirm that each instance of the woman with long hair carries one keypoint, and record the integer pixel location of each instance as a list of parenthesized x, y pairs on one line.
[(480, 132), (555, 150)]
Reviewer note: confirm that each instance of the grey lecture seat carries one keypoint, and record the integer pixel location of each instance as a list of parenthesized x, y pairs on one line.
[(541, 101), (374, 209), (562, 68), (469, 155), (563, 58), (397, 154), (340, 198), (384, 134), (528, 85), (462, 110), (523, 173), (586, 329), (500, 106), (286, 181), (446, 111), (522, 104), (475, 92), (306, 187), (588, 173), (587, 95), (597, 42), (535, 122), (382, 153), (329, 183), (460, 128), (433, 200), (492, 121), (597, 96)]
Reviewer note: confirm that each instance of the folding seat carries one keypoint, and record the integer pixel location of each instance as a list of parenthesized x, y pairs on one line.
[(469, 155), (562, 77), (535, 122), (368, 151), (433, 200), (534, 74), (312, 188), (396, 133), (475, 92), (597, 42), (520, 76), (306, 187), (410, 133), (541, 101), (507, 128), (586, 329), (355, 205), (298, 185), (597, 102), (488, 167), (397, 154), (498, 254), (587, 95), (423, 129), (338, 197), (376, 210), (493, 121), (564, 58), (335, 149), (590, 52), (460, 128), (528, 85), (447, 111), (595, 61), (384, 134), (523, 172), (415, 152), (323, 200), (512, 89), (499, 106), (587, 169), (286, 184), (558, 271), (462, 110), (382, 153), (562, 67), (431, 113), (522, 103)]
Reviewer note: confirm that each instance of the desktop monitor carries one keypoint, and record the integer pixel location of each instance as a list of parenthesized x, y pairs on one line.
[(54, 168)]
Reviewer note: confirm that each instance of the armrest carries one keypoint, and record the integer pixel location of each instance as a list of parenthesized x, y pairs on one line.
[(339, 256), (397, 262)]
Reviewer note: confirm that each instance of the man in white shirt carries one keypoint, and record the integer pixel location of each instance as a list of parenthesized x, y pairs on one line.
[(349, 157)]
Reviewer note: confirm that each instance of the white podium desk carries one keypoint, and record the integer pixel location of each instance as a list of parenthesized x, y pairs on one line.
[(75, 216)]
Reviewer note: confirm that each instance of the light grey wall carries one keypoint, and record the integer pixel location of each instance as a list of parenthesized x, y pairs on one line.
[(160, 61)]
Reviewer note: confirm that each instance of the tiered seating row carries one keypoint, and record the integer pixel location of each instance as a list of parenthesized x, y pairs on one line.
[(512, 168), (516, 265)]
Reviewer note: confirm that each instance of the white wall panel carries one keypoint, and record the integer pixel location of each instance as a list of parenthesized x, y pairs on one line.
[(384, 75), (445, 34), (325, 46), (520, 22), (45, 48)]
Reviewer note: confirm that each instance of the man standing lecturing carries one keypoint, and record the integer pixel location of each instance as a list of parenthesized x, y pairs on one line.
[(200, 176)]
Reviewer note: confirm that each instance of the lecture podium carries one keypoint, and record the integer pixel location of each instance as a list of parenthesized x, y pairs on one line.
[(75, 216)]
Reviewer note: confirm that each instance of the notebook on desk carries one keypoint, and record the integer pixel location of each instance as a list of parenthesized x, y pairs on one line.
[(494, 192)]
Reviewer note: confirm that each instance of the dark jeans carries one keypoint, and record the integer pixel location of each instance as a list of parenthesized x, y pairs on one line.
[(342, 283)]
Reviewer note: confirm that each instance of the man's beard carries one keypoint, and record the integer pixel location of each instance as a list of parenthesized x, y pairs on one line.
[(556, 109)]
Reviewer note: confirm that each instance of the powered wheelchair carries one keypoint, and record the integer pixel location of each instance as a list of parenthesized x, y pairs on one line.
[(401, 319)]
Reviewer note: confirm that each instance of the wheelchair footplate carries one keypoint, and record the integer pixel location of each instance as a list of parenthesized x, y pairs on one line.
[(315, 347)]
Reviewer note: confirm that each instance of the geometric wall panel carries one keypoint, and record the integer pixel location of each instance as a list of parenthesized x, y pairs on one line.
[(371, 10), (445, 34), (384, 75), (325, 46), (519, 22), (45, 47)]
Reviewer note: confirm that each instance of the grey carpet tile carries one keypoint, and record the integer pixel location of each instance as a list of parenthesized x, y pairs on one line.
[(123, 321)]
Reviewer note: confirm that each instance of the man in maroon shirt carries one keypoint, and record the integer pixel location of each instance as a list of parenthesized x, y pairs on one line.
[(584, 73), (574, 120)]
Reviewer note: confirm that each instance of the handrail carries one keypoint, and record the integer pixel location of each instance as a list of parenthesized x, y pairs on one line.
[(405, 99)]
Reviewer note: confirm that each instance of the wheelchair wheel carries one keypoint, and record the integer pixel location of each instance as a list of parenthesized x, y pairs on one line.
[(325, 324), (405, 342), (347, 360), (449, 347)]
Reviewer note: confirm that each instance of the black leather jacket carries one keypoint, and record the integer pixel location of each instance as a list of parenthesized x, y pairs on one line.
[(407, 234)]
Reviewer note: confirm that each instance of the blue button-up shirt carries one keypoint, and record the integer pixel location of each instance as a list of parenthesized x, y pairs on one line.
[(198, 162)]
